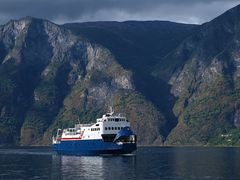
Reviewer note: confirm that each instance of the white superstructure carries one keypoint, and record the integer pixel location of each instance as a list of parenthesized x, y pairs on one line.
[(105, 128)]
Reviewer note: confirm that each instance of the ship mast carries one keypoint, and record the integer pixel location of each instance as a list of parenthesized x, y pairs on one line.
[(111, 110)]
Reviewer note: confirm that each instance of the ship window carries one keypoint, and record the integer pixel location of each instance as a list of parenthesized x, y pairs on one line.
[(97, 124), (108, 137), (115, 128), (121, 127), (116, 120), (105, 128), (109, 128), (127, 120), (118, 128), (112, 128)]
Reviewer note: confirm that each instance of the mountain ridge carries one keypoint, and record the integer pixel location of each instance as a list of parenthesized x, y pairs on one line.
[(208, 74), (60, 77), (178, 84)]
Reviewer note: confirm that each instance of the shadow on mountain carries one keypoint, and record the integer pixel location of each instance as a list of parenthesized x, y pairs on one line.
[(139, 46)]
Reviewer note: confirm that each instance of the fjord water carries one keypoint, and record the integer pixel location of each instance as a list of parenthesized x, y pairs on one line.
[(145, 163)]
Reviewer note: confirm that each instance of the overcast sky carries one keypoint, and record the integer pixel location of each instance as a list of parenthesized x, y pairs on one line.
[(63, 11)]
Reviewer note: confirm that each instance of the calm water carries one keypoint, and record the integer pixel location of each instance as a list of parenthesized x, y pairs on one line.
[(146, 163)]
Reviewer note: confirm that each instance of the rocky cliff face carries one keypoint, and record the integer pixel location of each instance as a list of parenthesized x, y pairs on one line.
[(138, 47), (206, 83), (178, 84), (50, 78)]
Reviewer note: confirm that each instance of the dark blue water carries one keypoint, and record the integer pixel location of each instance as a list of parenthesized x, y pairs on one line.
[(146, 163)]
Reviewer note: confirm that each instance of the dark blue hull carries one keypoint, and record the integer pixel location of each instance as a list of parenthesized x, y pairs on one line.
[(93, 147)]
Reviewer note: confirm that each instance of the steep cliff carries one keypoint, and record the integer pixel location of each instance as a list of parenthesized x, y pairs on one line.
[(178, 84), (51, 78), (204, 76), (139, 46)]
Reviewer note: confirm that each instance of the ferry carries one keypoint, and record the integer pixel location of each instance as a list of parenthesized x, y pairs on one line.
[(111, 134)]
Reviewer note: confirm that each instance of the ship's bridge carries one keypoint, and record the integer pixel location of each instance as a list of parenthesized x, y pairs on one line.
[(112, 118)]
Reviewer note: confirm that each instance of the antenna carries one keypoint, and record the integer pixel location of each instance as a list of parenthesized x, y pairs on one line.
[(111, 110)]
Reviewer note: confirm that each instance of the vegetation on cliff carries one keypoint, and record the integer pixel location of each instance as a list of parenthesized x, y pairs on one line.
[(178, 84)]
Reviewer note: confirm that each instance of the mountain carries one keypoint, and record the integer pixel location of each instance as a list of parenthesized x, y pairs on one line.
[(52, 77), (138, 47), (204, 76), (178, 84)]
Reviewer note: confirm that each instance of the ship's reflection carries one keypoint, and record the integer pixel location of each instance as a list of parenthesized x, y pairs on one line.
[(91, 167)]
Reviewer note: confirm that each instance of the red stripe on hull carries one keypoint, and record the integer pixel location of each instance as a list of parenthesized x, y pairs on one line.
[(70, 139)]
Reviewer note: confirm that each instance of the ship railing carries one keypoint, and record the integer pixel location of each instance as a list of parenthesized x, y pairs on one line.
[(120, 115), (55, 139), (77, 126)]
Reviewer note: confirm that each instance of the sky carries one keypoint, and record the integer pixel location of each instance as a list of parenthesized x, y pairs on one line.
[(65, 11)]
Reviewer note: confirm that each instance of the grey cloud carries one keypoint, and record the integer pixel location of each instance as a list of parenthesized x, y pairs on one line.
[(61, 11)]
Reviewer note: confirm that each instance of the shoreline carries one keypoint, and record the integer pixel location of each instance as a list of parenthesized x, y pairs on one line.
[(139, 146)]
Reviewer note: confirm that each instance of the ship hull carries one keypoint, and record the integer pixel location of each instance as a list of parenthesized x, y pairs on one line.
[(93, 147)]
